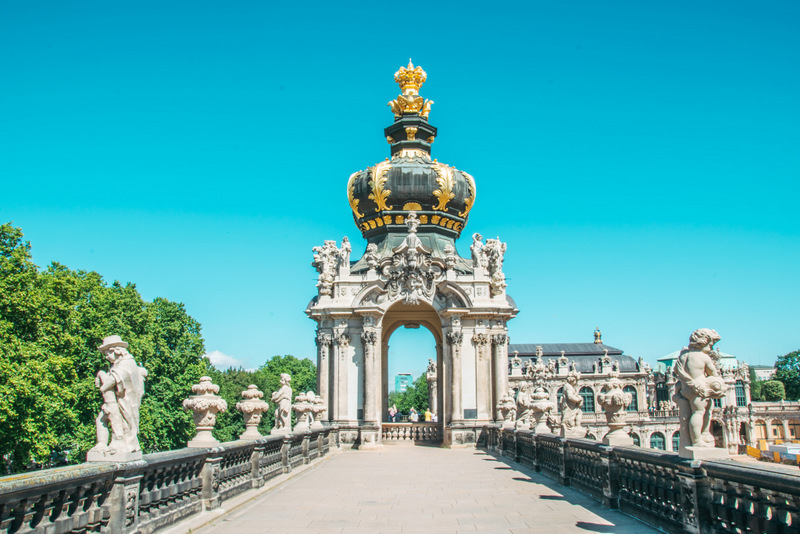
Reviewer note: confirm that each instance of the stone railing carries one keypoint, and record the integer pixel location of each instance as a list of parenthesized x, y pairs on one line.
[(411, 432), (157, 491), (659, 488)]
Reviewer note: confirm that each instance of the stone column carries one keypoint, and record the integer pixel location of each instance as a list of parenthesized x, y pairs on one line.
[(340, 373), (454, 340), (483, 376), (324, 341), (500, 371), (371, 379)]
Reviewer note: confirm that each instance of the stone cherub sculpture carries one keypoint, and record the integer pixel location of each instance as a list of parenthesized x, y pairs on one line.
[(122, 388), (698, 383), (571, 404), (283, 413)]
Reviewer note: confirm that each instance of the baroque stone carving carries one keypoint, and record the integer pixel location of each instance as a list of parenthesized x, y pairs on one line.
[(571, 403), (371, 256), (283, 413), (614, 401), (698, 383), (494, 251), (476, 249), (326, 261), (534, 399), (410, 274), (507, 409), (455, 338), (122, 388), (304, 409), (252, 407), (205, 404), (449, 256)]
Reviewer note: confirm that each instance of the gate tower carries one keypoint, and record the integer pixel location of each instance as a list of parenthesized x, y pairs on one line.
[(411, 209)]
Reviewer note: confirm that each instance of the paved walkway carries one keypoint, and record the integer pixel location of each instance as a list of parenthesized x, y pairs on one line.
[(420, 490)]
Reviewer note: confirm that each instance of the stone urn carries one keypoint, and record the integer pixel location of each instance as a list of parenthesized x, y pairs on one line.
[(205, 405), (614, 401), (507, 410), (318, 409), (252, 407), (303, 408)]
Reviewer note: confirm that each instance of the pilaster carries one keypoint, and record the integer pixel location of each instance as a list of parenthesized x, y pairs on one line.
[(324, 342)]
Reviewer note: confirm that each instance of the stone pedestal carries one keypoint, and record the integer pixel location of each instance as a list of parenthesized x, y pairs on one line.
[(106, 456), (704, 453)]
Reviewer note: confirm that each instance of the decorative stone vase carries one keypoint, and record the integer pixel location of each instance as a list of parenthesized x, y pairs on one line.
[(303, 408), (507, 410), (252, 407), (318, 408), (614, 401), (205, 405)]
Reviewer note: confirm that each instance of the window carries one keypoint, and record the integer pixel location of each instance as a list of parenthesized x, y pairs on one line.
[(717, 403), (559, 398), (662, 394), (634, 405), (676, 441), (588, 399), (761, 430), (636, 440), (657, 441), (777, 429), (741, 398)]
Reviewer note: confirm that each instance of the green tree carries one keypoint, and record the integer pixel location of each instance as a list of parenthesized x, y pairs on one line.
[(773, 390), (755, 386), (415, 396), (787, 370), (51, 323)]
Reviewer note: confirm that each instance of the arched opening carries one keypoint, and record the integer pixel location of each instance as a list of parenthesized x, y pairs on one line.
[(410, 349), (415, 334), (657, 441), (777, 430), (634, 405), (794, 429), (761, 429), (636, 440), (587, 394), (676, 441)]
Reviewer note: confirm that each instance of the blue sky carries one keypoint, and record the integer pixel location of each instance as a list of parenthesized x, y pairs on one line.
[(640, 159)]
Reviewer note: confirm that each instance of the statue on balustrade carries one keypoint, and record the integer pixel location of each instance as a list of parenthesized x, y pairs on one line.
[(571, 408), (122, 388), (283, 413), (698, 383)]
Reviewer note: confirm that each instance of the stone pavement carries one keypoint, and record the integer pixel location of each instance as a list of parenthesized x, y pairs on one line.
[(422, 490)]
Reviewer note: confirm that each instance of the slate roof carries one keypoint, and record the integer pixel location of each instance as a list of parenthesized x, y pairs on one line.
[(585, 355)]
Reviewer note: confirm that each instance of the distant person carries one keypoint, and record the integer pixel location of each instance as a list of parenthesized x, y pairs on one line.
[(435, 417), (414, 416), (428, 416), (392, 413)]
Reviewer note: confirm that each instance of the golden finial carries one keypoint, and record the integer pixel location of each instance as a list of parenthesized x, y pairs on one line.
[(410, 80), (598, 336)]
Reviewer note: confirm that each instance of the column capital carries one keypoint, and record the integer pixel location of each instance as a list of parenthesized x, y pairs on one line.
[(500, 339), (324, 339), (343, 339), (481, 340), (455, 337), (369, 337)]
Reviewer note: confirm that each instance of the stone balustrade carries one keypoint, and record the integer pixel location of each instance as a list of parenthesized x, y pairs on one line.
[(659, 488), (155, 492), (411, 432)]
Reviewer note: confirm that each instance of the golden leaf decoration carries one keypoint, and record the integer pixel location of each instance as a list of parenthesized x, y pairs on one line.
[(379, 194), (351, 188), (470, 200), (446, 184)]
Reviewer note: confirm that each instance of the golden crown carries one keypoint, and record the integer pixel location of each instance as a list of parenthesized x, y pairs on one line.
[(410, 78)]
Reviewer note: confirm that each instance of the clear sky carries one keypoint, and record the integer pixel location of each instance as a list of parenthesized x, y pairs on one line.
[(641, 159)]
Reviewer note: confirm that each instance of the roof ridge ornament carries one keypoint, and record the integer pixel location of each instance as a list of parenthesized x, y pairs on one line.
[(410, 80)]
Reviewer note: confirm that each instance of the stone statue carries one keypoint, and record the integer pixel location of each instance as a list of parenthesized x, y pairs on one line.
[(698, 383), (371, 256), (326, 260), (283, 413), (344, 253), (494, 252), (431, 366), (478, 256), (122, 388), (571, 403), (507, 409), (449, 256)]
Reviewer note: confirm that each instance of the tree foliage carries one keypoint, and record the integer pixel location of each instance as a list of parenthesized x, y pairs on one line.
[(772, 390), (415, 396), (232, 382), (787, 370), (51, 323)]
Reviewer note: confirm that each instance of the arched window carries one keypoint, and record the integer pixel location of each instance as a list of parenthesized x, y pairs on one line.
[(662, 394), (588, 399), (635, 438), (794, 429), (676, 441), (741, 398), (559, 398), (657, 441), (634, 405)]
